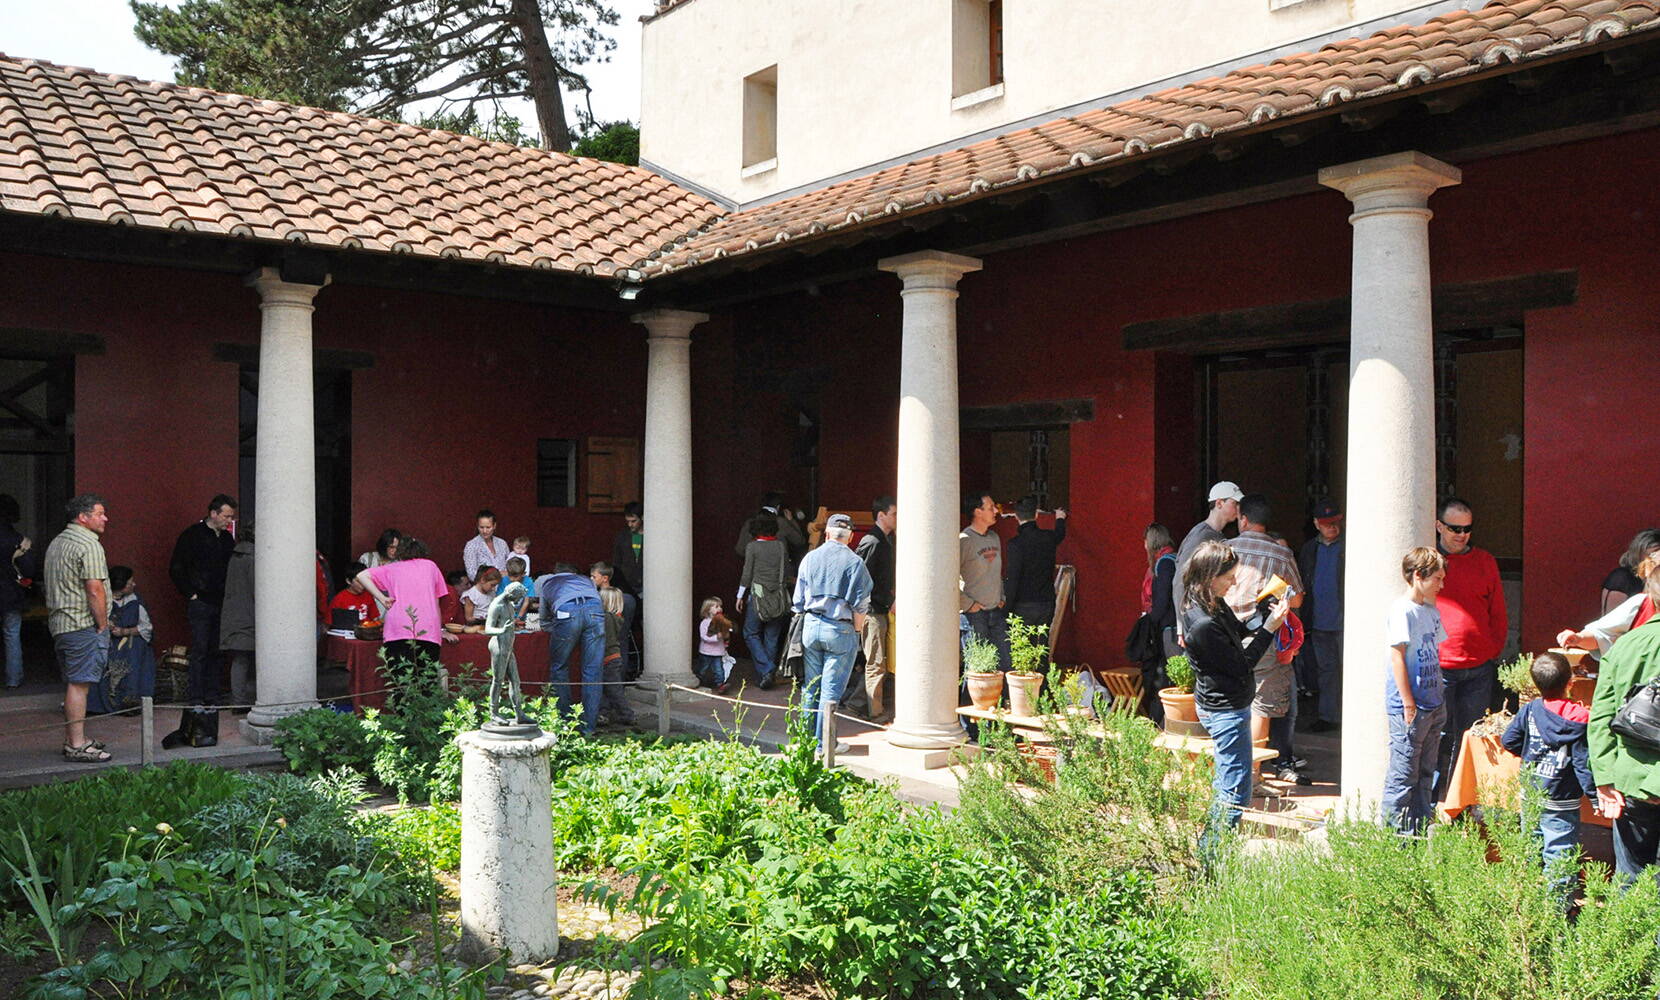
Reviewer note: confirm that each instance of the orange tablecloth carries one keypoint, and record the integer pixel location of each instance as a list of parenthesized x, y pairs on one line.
[(1483, 760), (471, 654)]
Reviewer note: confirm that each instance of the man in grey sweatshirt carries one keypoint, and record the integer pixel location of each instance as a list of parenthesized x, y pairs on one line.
[(981, 582)]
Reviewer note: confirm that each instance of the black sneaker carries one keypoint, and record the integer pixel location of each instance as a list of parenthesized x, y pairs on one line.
[(1294, 776), (768, 682)]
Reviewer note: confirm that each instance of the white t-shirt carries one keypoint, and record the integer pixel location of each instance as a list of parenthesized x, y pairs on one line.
[(481, 601), (1418, 628)]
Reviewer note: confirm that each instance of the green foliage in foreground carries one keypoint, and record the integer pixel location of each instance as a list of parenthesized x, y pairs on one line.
[(208, 883), (1392, 919)]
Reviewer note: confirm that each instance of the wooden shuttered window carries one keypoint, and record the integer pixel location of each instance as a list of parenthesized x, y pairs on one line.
[(613, 473)]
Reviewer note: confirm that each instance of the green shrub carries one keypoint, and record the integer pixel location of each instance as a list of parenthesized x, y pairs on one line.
[(227, 924), (419, 835), (1396, 919), (83, 818), (1118, 803), (1180, 671), (320, 740)]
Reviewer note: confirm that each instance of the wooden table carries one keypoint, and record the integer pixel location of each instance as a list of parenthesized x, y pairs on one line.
[(471, 655), (1034, 728)]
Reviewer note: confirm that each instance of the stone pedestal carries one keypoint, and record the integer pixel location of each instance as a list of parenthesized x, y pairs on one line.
[(1391, 487), (507, 875), (926, 550)]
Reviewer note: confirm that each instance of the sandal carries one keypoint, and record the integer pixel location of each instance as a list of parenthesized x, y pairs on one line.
[(89, 753)]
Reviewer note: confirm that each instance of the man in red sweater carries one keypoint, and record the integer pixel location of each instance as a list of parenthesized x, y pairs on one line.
[(1471, 604)]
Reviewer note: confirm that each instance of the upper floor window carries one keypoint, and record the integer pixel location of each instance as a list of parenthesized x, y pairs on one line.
[(761, 121), (976, 46)]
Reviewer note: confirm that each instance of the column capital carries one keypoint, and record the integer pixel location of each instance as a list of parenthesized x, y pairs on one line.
[(930, 268), (273, 289), (1398, 181), (669, 323)]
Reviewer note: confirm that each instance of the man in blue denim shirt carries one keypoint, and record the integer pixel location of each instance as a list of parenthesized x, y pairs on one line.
[(571, 612), (832, 589)]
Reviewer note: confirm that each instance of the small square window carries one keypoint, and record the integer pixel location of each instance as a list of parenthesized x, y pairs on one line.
[(976, 45), (556, 472), (761, 117)]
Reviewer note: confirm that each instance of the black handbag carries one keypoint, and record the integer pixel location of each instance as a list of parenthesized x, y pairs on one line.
[(198, 727), (1145, 643), (1638, 720)]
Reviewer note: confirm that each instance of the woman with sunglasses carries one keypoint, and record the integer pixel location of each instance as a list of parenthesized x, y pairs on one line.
[(1471, 604)]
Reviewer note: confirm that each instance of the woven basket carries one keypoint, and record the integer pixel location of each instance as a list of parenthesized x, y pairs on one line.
[(173, 679), (369, 633)]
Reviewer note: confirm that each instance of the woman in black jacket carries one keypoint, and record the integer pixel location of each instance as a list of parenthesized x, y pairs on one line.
[(1224, 654)]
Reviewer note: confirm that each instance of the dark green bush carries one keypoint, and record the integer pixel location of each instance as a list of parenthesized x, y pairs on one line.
[(85, 817), (320, 740), (227, 923)]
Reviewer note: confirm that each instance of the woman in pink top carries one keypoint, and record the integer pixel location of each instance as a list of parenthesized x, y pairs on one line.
[(409, 589)]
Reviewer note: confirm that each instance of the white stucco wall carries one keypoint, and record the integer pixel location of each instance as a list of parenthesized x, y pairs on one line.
[(861, 82)]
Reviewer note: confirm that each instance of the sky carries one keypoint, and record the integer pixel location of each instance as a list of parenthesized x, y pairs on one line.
[(99, 34)]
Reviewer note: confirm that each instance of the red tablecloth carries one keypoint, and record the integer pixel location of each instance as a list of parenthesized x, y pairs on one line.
[(471, 654)]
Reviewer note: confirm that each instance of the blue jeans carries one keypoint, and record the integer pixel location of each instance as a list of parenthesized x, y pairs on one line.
[(1559, 834), (584, 623), (1327, 650), (1231, 732), (762, 639), (11, 626), (1467, 695), (992, 625), (828, 649), (1410, 777)]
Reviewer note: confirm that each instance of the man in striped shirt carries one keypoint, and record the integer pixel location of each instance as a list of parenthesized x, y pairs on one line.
[(78, 606), (1261, 558)]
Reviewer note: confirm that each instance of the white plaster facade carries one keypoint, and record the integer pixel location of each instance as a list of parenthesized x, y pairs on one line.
[(860, 83)]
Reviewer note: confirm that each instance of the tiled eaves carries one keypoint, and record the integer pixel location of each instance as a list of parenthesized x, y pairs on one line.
[(1446, 48), (82, 145)]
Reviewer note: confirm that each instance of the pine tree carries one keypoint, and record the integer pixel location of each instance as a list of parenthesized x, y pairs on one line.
[(377, 57)]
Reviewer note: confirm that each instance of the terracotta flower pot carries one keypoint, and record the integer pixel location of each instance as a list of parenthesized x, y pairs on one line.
[(1179, 708), (984, 690), (1044, 757), (1023, 692)]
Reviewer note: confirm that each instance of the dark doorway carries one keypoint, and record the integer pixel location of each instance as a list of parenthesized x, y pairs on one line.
[(37, 442), (332, 403), (1013, 463)]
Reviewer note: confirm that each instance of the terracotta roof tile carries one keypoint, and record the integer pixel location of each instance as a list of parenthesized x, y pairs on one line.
[(113, 149), (1454, 44)]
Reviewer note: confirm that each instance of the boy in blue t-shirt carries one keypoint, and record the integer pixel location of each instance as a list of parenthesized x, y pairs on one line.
[(1413, 691)]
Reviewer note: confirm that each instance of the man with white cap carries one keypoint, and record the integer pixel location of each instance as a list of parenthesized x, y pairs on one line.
[(832, 591), (1224, 510)]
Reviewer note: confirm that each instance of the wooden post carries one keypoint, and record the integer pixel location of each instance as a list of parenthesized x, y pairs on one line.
[(828, 726), (662, 706), (147, 730)]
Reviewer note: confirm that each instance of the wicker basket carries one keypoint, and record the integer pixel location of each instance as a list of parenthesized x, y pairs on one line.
[(369, 633), (173, 677)]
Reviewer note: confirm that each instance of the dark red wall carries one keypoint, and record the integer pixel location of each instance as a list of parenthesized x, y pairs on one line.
[(446, 420)]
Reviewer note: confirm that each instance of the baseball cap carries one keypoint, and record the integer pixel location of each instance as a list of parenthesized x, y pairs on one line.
[(1325, 508), (1225, 490), (839, 521)]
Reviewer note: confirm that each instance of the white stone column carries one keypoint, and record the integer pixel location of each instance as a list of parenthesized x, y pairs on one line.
[(285, 508), (667, 604), (507, 877), (926, 669), (1391, 477)]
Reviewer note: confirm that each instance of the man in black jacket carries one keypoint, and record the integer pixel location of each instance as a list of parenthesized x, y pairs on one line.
[(1321, 565), (1029, 561), (876, 549), (198, 571), (627, 554)]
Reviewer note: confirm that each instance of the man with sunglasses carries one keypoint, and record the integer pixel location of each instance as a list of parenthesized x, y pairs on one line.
[(1471, 605)]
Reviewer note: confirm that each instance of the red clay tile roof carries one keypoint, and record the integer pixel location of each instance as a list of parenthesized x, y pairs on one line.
[(83, 145), (1454, 45)]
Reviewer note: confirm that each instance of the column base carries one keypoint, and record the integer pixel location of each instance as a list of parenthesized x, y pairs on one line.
[(926, 736), (258, 726)]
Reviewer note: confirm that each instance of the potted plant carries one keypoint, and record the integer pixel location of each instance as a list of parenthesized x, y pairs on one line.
[(1026, 656), (985, 681), (1075, 698), (1180, 714)]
